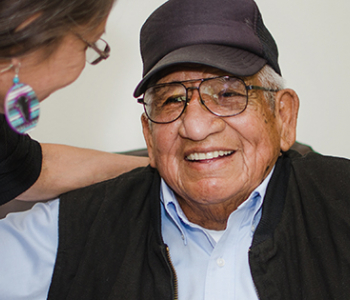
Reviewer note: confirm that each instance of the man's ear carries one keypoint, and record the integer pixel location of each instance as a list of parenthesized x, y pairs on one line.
[(147, 134), (286, 109)]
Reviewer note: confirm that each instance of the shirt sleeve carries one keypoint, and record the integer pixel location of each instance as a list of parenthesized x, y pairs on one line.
[(20, 162), (28, 248)]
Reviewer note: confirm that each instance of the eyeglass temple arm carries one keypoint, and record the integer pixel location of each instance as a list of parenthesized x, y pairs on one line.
[(255, 87)]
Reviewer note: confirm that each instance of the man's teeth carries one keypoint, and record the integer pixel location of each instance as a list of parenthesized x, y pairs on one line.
[(208, 155)]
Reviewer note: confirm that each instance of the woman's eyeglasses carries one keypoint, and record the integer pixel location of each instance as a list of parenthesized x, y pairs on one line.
[(97, 51)]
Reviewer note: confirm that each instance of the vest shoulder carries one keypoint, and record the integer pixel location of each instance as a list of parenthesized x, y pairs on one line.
[(138, 180), (323, 163), (324, 175)]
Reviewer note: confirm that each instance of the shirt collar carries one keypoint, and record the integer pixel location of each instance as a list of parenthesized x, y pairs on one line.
[(253, 204)]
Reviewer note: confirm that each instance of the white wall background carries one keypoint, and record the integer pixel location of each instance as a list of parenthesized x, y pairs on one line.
[(98, 111)]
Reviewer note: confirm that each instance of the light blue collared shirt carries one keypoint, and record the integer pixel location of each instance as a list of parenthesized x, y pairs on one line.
[(212, 265)]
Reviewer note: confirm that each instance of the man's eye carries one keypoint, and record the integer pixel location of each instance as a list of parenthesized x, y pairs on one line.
[(229, 94), (174, 99)]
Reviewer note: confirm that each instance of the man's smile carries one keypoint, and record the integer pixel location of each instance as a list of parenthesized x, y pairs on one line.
[(207, 155)]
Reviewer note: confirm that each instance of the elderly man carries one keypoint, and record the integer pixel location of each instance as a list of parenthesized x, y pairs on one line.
[(225, 211)]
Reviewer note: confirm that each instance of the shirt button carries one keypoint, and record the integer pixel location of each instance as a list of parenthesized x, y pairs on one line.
[(220, 262)]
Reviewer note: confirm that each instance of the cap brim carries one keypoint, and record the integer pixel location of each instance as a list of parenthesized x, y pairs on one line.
[(228, 59)]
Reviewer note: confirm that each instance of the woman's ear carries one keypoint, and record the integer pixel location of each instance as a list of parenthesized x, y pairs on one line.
[(147, 134), (286, 109)]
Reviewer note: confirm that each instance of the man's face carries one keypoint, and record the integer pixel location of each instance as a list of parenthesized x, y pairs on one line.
[(214, 161)]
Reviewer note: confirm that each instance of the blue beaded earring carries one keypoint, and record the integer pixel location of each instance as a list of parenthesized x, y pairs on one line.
[(21, 106)]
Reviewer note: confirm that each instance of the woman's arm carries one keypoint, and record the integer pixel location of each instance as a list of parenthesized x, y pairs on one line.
[(65, 168)]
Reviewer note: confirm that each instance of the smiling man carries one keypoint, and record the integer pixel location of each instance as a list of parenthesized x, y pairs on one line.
[(225, 210), (215, 137), (221, 141)]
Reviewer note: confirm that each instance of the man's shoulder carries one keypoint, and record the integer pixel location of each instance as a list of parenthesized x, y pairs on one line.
[(130, 184), (326, 174), (319, 164), (123, 198)]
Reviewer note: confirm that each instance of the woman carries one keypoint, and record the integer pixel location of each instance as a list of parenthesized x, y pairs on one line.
[(43, 47)]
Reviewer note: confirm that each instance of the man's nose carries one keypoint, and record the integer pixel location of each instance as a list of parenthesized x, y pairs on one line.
[(197, 122)]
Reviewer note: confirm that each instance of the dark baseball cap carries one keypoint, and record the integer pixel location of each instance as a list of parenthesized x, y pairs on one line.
[(225, 34)]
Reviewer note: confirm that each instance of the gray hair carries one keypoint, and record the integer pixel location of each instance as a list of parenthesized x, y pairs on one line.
[(269, 78)]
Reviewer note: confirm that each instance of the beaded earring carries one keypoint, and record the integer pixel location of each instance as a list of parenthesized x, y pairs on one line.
[(21, 106)]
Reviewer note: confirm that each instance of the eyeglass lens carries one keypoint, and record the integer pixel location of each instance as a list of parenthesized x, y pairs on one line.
[(223, 96), (92, 56)]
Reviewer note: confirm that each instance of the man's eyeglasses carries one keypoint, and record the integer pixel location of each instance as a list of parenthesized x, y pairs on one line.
[(96, 51), (223, 96)]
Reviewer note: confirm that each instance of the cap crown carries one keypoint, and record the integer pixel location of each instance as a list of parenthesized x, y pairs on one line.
[(181, 23)]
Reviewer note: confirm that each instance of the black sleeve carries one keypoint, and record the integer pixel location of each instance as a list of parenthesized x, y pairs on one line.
[(20, 162)]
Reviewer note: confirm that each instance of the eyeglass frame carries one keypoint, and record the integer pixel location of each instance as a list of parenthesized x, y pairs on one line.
[(104, 54), (247, 87)]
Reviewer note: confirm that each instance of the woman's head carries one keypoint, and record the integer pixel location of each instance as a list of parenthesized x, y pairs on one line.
[(45, 41), (26, 25)]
